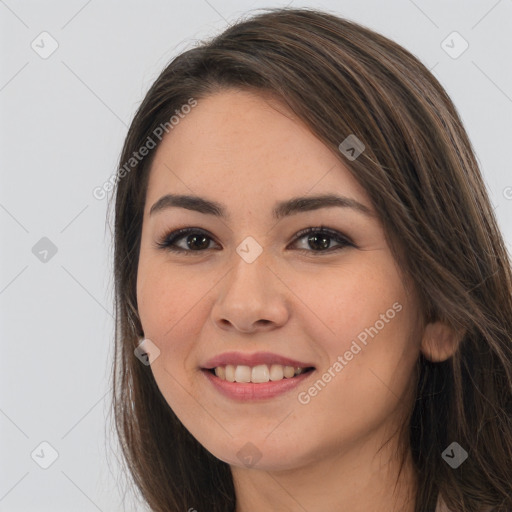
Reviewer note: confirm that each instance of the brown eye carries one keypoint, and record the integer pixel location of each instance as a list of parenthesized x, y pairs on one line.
[(320, 239), (193, 239)]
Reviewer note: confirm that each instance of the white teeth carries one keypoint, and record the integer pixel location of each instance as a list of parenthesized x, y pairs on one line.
[(260, 373), (243, 374), (289, 372), (276, 372), (220, 371), (230, 373), (257, 374)]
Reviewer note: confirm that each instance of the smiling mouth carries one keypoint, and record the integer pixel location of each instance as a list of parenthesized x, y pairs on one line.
[(259, 374)]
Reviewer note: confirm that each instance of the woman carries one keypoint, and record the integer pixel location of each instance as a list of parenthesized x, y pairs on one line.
[(314, 301)]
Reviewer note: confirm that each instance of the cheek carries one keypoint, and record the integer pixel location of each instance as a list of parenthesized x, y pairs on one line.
[(172, 309), (161, 293), (169, 304), (369, 320), (346, 302)]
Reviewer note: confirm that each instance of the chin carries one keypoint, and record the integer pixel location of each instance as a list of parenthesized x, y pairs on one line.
[(256, 452)]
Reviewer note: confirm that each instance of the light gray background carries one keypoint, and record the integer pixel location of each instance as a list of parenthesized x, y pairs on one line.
[(63, 120)]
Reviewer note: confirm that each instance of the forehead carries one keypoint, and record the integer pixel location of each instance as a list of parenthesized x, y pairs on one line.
[(242, 147)]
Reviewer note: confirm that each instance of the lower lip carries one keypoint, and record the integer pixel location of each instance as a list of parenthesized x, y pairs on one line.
[(245, 391)]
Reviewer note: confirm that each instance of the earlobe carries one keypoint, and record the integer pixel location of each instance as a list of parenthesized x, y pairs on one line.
[(440, 341)]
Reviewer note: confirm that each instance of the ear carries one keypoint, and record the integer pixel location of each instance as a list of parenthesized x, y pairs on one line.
[(440, 341)]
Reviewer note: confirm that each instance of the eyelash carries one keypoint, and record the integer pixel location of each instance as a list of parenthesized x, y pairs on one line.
[(167, 242)]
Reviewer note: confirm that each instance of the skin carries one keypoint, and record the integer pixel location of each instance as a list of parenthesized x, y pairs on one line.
[(247, 152)]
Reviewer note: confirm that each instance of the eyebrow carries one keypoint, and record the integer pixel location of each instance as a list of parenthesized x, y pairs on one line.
[(282, 208)]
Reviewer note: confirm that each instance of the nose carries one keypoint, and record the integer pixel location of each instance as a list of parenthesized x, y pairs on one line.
[(252, 298)]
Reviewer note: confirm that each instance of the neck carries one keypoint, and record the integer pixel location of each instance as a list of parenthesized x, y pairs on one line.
[(356, 480)]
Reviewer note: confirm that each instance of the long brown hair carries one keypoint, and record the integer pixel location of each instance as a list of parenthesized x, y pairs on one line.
[(421, 174)]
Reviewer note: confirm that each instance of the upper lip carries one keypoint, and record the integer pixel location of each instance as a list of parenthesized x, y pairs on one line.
[(254, 359)]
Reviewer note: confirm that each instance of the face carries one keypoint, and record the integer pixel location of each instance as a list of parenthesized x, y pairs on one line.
[(320, 323)]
